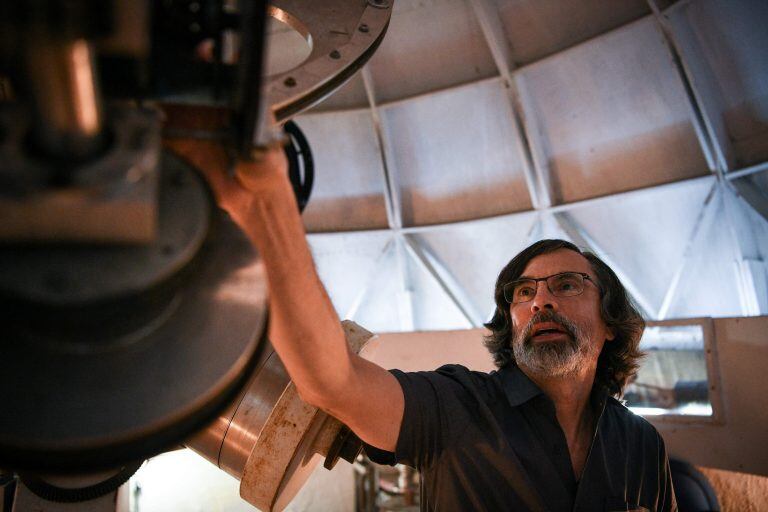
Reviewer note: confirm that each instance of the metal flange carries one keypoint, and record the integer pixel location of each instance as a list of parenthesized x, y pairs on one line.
[(271, 440), (344, 34)]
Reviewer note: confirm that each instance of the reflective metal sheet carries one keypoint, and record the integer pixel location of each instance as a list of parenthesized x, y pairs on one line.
[(723, 44), (455, 156), (430, 45), (610, 115), (710, 288), (347, 263), (474, 253), (538, 28), (349, 179), (646, 232)]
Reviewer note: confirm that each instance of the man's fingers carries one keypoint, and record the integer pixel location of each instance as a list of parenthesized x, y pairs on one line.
[(210, 158), (269, 165)]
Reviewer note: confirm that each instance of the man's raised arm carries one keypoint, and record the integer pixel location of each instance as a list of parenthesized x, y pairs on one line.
[(303, 327)]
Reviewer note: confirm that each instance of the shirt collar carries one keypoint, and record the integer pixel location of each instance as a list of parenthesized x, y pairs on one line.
[(520, 389), (517, 386)]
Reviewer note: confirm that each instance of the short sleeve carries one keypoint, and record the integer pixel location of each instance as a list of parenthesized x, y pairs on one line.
[(437, 407)]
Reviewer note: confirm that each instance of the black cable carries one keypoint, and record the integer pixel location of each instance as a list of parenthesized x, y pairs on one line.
[(300, 159), (51, 492)]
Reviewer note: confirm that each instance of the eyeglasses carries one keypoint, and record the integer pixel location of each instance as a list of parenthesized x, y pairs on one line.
[(564, 284)]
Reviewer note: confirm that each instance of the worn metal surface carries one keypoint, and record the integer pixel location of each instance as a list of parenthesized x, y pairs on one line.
[(269, 438), (252, 414), (281, 440), (293, 441)]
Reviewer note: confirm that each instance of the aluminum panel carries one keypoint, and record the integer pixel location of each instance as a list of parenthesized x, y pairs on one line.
[(347, 263), (750, 226), (710, 285), (349, 96), (349, 178), (432, 307), (724, 44), (538, 28), (610, 115), (646, 232), (455, 155), (473, 253), (761, 182), (430, 45), (385, 304)]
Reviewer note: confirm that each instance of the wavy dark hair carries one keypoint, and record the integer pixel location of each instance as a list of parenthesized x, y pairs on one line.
[(619, 360)]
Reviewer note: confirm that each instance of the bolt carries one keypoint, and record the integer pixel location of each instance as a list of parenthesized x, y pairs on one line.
[(194, 27), (364, 28), (335, 54), (379, 4), (194, 7), (289, 82)]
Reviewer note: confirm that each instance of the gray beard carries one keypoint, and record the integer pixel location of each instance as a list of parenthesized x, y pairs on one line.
[(552, 359)]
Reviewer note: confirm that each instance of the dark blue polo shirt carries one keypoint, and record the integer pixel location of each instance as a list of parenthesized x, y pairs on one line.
[(492, 442)]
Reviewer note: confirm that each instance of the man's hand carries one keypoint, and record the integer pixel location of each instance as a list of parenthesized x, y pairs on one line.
[(235, 183), (304, 328), (267, 174)]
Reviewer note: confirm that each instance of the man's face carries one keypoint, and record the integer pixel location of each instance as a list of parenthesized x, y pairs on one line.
[(556, 336)]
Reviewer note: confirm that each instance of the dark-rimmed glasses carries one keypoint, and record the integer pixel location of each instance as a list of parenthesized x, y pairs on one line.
[(564, 284)]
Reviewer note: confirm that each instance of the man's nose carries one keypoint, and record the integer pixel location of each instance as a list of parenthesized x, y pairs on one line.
[(543, 298)]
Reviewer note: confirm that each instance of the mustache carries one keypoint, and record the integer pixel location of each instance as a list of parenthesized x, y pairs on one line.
[(548, 316)]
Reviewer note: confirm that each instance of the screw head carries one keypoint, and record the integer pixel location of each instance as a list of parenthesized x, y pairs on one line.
[(335, 54), (363, 28), (289, 82)]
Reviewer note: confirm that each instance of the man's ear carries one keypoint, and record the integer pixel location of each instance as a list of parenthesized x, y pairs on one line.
[(610, 335)]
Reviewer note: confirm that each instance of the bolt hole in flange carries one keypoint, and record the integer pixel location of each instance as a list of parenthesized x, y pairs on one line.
[(289, 43)]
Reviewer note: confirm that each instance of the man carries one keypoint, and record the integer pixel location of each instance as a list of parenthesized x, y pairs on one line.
[(542, 433)]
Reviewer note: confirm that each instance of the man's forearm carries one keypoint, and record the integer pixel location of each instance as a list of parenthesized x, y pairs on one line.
[(304, 327)]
